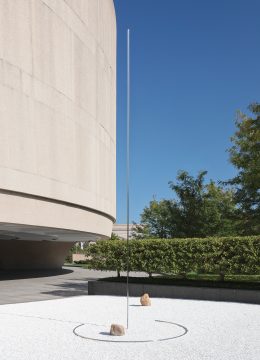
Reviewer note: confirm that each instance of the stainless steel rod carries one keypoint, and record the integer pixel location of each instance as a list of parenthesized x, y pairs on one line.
[(128, 170)]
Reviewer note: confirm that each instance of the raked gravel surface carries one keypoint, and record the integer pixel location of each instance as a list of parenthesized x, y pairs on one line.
[(43, 330)]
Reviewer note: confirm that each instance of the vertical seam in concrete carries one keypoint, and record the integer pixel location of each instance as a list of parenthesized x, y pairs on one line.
[(31, 33)]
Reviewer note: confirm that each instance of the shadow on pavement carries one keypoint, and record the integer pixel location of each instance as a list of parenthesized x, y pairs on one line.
[(29, 274), (68, 289)]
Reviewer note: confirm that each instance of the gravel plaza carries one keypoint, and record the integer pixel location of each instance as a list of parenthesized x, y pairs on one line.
[(56, 329)]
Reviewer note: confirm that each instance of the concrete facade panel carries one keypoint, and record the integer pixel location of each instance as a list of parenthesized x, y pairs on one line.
[(58, 114)]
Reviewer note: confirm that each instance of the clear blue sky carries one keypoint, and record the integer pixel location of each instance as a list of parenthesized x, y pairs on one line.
[(194, 63)]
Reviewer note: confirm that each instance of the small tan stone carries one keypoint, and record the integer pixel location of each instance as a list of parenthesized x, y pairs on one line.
[(145, 300), (117, 330)]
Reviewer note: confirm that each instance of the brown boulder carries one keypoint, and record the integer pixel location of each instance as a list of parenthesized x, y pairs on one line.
[(117, 330), (145, 300)]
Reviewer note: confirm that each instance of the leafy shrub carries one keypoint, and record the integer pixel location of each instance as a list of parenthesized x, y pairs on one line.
[(222, 256), (107, 255), (76, 249)]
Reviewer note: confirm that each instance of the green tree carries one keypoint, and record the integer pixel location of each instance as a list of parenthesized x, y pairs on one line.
[(199, 210), (156, 220), (114, 236), (204, 209), (141, 231), (245, 156), (219, 211), (190, 194)]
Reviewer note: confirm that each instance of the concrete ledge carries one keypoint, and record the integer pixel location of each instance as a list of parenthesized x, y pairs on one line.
[(175, 292)]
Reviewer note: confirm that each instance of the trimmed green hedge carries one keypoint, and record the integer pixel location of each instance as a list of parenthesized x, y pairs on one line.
[(222, 256)]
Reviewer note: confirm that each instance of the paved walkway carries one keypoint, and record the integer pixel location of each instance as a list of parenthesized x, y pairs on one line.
[(27, 286), (18, 287)]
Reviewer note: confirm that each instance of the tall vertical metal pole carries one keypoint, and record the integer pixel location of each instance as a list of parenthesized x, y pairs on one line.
[(128, 169)]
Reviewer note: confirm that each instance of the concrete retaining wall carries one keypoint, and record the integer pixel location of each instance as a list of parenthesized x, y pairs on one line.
[(174, 292)]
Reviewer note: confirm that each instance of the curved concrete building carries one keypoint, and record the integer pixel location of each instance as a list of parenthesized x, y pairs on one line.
[(57, 128)]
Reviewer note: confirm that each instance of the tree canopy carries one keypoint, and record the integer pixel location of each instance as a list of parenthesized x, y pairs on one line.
[(198, 210), (245, 156)]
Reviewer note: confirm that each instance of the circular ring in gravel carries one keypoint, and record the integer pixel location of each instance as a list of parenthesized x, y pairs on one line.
[(158, 330)]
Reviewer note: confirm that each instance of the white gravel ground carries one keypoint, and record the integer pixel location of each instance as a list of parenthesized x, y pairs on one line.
[(44, 330)]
